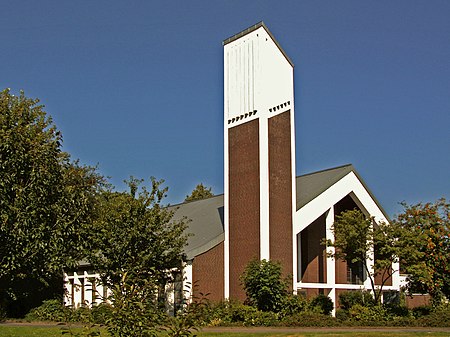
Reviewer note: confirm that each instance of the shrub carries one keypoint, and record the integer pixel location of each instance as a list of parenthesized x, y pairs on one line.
[(342, 314), (293, 304), (191, 315), (369, 315), (323, 303), (263, 285), (236, 313), (440, 317), (348, 299), (397, 311), (420, 311), (82, 314), (50, 310), (101, 313)]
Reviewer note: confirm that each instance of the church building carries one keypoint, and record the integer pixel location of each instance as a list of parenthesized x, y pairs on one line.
[(266, 212)]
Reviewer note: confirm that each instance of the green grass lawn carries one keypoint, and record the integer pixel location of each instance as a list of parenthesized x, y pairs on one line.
[(45, 331)]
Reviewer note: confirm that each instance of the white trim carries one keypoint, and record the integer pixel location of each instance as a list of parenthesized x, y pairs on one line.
[(226, 180), (264, 188), (331, 264), (319, 205), (324, 203), (294, 188)]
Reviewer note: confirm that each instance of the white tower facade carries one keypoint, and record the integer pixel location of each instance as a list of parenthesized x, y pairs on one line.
[(259, 162)]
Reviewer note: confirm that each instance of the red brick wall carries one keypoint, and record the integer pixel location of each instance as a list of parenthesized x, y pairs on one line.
[(244, 210), (341, 271), (208, 273), (313, 253), (417, 300), (280, 190)]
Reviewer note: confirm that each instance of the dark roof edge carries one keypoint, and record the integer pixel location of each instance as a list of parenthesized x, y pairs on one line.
[(349, 168), (192, 201), (192, 253), (328, 169), (253, 28)]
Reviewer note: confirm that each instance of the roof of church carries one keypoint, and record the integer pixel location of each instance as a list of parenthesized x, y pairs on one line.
[(206, 216)]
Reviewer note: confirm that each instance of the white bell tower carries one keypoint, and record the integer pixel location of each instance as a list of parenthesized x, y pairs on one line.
[(259, 148)]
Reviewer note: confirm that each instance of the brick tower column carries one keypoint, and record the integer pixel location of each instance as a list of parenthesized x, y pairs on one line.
[(259, 148)]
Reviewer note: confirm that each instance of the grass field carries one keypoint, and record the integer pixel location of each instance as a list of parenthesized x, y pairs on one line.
[(45, 331)]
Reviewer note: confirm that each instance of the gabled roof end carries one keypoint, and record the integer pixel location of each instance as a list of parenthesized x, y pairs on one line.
[(253, 28)]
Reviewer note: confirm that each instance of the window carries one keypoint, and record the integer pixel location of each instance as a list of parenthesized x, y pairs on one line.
[(355, 273)]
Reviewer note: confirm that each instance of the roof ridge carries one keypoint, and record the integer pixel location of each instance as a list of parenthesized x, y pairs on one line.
[(191, 201), (325, 170)]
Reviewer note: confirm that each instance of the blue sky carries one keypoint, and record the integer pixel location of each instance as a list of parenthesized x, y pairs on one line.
[(137, 86)]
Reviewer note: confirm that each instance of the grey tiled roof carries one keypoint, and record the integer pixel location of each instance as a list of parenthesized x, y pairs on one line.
[(207, 219), (311, 185), (206, 223)]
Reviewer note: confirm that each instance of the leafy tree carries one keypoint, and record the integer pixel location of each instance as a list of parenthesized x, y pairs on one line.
[(137, 248), (264, 285), (357, 239), (426, 242), (47, 202), (199, 192), (135, 234)]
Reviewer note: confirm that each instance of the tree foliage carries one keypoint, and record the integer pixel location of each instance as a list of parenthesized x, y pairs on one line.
[(426, 238), (47, 202), (136, 235), (199, 192), (264, 286), (137, 248), (357, 239)]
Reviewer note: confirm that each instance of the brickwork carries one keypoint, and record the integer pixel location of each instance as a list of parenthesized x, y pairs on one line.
[(417, 301), (313, 253), (244, 209), (280, 190), (208, 273)]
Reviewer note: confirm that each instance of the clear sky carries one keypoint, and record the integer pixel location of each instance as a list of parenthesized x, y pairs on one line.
[(137, 86)]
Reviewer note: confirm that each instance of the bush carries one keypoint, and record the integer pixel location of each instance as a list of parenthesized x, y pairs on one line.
[(236, 313), (50, 310), (342, 315), (82, 314), (101, 313), (348, 299), (369, 315), (323, 303), (440, 317), (422, 310), (263, 285), (397, 311), (293, 304)]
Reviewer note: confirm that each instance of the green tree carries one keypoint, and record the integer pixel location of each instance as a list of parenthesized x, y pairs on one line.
[(357, 239), (199, 192), (264, 286), (47, 202), (426, 242), (138, 247)]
